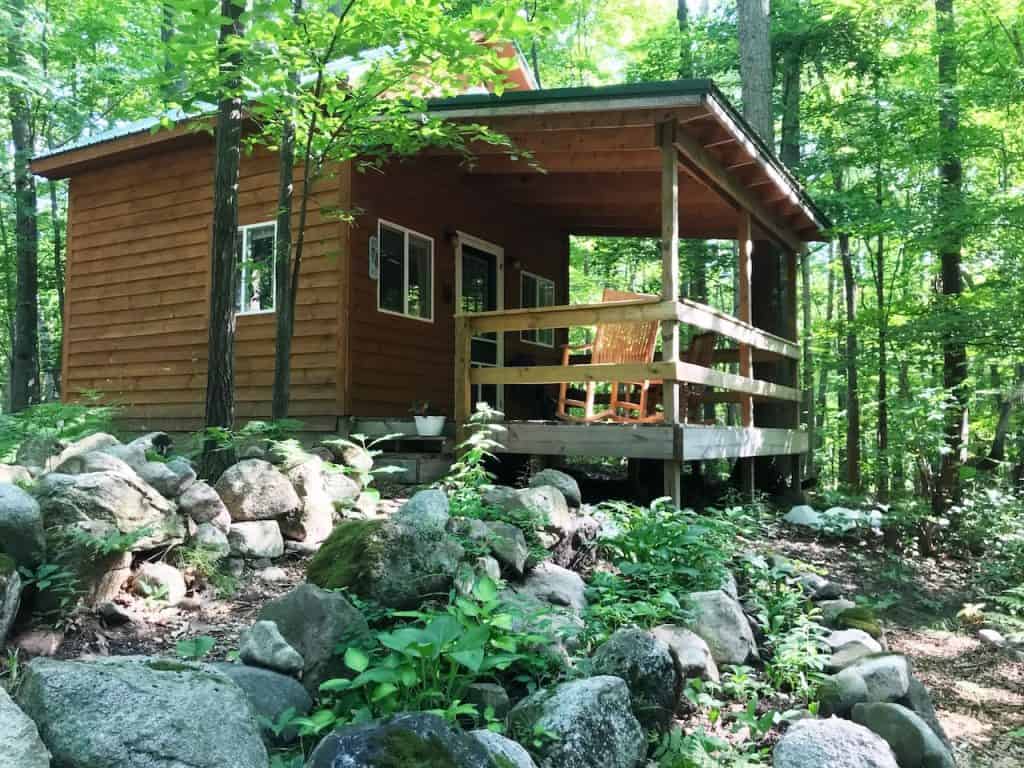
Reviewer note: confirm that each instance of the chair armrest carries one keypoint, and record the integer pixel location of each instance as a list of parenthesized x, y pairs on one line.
[(577, 346)]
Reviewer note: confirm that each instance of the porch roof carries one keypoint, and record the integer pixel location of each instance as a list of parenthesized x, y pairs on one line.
[(589, 159)]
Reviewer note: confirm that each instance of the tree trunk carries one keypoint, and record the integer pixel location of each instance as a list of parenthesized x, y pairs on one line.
[(882, 427), (282, 265), (220, 378), (752, 26), (789, 144), (899, 471), (948, 214), (821, 410), (852, 395), (25, 345), (685, 54)]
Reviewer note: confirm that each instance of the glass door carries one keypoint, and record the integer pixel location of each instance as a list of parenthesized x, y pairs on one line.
[(480, 273)]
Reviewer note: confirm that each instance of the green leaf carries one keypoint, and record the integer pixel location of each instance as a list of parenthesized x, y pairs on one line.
[(485, 589), (356, 659), (196, 647)]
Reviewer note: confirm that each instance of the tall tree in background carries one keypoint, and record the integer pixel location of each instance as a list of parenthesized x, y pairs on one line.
[(25, 346), (220, 376), (948, 223), (753, 29)]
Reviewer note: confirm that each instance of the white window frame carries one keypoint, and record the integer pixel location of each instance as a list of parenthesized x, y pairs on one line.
[(461, 239), (406, 231), (523, 334), (243, 231)]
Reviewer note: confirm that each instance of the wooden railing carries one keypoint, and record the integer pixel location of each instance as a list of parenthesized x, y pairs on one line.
[(691, 313)]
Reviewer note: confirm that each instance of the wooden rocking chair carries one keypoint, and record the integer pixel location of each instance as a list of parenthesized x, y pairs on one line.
[(614, 343)]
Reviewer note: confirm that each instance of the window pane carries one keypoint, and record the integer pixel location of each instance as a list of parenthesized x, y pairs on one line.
[(420, 287), (260, 267), (546, 297), (392, 270), (529, 291)]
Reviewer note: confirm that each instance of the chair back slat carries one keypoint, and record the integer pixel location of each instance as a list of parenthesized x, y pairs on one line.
[(625, 342)]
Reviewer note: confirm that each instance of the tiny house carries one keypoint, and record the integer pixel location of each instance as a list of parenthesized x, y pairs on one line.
[(451, 285)]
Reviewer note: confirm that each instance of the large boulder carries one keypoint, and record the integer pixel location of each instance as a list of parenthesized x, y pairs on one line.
[(589, 722), (170, 478), (342, 490), (403, 741), (125, 501), (142, 712), (912, 741), (319, 625), (10, 595), (161, 581), (833, 743), (269, 693), (690, 653), (313, 520), (394, 563), (209, 537), (202, 505), (508, 545), (254, 489), (878, 678), (256, 539), (919, 701), (646, 664), (550, 583), (426, 510), (804, 516), (21, 526), (349, 454), (504, 753), (565, 483), (38, 454), (263, 645), (848, 646), (20, 745), (106, 460), (720, 622), (543, 506), (12, 473)]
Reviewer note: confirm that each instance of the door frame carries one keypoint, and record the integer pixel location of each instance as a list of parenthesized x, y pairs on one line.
[(464, 238)]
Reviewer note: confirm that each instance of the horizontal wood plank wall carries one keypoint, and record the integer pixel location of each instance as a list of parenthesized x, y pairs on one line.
[(138, 277), (396, 360)]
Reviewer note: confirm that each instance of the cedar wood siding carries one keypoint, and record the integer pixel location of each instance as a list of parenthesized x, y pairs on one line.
[(138, 291), (395, 360)]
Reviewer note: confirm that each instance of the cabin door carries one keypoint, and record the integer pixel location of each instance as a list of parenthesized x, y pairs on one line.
[(480, 285)]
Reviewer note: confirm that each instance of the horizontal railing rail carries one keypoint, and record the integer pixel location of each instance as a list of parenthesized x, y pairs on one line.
[(631, 311)]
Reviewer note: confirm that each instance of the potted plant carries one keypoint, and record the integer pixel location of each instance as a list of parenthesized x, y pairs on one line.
[(429, 421)]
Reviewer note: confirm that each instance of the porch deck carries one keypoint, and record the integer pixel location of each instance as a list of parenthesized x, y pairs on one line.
[(681, 442)]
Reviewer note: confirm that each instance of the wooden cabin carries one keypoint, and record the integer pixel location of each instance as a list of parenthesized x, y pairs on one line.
[(452, 283)]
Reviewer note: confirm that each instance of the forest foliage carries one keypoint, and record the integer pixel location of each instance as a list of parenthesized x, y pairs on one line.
[(857, 97)]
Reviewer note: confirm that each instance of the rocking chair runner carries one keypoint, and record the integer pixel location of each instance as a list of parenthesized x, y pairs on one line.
[(629, 343)]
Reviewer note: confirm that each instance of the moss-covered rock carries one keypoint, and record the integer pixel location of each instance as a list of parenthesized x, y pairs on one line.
[(7, 565), (416, 740), (394, 564), (862, 618)]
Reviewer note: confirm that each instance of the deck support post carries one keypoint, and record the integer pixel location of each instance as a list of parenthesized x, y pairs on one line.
[(792, 332), (745, 246), (463, 388), (666, 138)]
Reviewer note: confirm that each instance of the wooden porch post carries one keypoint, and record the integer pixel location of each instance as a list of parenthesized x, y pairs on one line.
[(673, 467), (463, 390), (745, 246), (792, 326)]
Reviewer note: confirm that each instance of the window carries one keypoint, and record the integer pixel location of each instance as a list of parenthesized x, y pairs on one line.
[(257, 281), (537, 291), (405, 285)]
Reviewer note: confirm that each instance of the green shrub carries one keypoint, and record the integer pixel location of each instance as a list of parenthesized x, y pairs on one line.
[(660, 554), (64, 421)]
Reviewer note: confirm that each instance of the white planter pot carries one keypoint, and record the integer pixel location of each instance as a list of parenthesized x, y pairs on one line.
[(429, 426)]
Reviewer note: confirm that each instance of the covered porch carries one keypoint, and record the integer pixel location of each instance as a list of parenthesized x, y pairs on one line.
[(671, 161)]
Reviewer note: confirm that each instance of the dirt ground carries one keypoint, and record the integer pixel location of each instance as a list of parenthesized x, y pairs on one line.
[(978, 690)]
